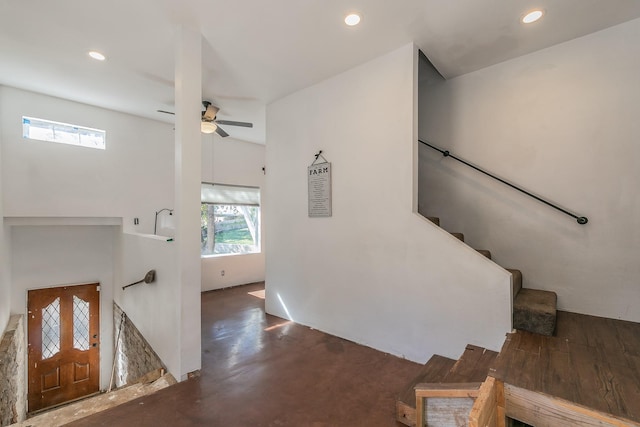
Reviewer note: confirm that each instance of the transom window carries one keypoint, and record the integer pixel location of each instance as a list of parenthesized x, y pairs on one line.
[(63, 133)]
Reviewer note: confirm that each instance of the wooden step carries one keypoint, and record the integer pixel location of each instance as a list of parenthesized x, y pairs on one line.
[(458, 236), (434, 371), (434, 219), (473, 366), (534, 310), (484, 252), (67, 414)]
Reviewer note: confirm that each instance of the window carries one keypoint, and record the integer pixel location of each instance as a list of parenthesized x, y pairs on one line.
[(230, 220), (63, 133)]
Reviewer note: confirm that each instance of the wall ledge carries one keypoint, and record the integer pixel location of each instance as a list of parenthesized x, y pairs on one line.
[(150, 236), (47, 220)]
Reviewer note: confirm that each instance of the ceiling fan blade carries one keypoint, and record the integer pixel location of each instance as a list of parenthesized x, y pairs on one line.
[(221, 132), (232, 123), (166, 112)]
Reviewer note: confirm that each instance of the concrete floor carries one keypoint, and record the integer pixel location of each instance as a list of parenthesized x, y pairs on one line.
[(259, 370)]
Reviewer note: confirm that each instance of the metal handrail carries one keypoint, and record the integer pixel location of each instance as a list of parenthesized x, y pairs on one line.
[(581, 219)]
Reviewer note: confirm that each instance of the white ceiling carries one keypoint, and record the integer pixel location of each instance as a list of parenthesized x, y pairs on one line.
[(256, 51)]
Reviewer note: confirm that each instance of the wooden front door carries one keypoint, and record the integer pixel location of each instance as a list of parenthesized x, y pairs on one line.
[(64, 344)]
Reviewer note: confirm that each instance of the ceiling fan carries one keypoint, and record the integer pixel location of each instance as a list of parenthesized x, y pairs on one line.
[(209, 124)]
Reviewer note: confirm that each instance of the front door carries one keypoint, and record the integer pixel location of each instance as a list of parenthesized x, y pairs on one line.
[(64, 358)]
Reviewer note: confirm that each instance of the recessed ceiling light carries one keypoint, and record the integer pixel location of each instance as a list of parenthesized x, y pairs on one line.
[(532, 16), (97, 55), (352, 19)]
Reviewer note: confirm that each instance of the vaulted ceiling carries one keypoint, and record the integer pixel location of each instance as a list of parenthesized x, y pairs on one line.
[(257, 51)]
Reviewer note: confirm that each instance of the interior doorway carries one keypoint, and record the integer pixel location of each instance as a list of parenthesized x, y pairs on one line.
[(63, 344)]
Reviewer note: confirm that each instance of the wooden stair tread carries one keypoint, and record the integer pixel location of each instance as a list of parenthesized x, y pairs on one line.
[(473, 365), (484, 252), (434, 371), (590, 363), (434, 220), (458, 236)]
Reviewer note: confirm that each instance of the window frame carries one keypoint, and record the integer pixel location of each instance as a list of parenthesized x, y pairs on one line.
[(64, 128), (223, 199)]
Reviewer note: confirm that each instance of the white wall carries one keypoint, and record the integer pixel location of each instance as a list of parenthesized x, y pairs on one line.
[(133, 177), (154, 308), (235, 162), (48, 256), (55, 189), (562, 122), (375, 272), (5, 290)]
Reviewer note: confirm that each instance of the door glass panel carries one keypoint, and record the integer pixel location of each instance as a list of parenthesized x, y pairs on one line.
[(80, 323), (51, 329)]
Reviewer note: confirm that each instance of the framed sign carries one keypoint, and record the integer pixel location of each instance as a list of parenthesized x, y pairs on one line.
[(319, 184)]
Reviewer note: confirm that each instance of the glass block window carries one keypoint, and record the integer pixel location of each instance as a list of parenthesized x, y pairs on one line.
[(80, 323), (63, 133), (51, 329)]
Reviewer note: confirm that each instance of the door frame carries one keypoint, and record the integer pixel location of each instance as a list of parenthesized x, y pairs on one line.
[(100, 341)]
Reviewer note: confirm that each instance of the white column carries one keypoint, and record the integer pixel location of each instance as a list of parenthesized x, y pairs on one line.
[(188, 93)]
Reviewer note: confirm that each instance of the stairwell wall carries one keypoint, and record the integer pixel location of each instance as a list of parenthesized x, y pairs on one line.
[(375, 272), (48, 256), (151, 307), (561, 122), (66, 207)]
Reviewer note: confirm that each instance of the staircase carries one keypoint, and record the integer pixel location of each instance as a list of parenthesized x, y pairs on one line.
[(472, 367), (534, 310), (67, 413)]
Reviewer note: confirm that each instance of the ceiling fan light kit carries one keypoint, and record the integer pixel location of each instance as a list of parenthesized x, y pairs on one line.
[(208, 127), (208, 122)]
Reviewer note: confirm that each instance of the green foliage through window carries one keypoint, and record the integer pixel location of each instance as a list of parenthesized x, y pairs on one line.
[(229, 229)]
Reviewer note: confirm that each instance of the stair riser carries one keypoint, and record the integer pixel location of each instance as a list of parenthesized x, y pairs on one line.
[(543, 324), (534, 310)]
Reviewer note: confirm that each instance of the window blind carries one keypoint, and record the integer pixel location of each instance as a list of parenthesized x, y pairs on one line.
[(221, 194)]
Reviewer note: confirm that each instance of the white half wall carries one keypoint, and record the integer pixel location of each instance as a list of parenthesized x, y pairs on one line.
[(50, 256), (234, 162), (154, 308), (563, 123), (375, 272)]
